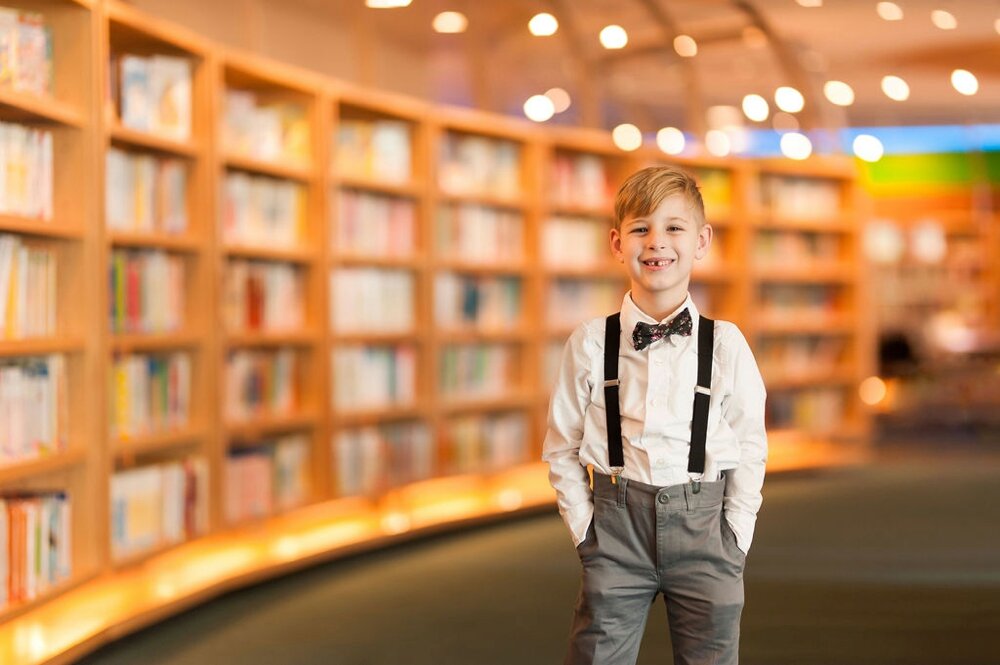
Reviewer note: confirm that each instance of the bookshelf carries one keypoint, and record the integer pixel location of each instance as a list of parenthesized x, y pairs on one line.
[(353, 316)]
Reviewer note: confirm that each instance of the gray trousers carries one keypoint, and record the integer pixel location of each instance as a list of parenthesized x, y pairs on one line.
[(647, 540)]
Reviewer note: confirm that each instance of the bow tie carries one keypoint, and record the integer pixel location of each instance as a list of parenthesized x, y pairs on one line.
[(647, 333)]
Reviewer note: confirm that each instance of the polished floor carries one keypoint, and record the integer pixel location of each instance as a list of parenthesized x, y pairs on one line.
[(893, 563)]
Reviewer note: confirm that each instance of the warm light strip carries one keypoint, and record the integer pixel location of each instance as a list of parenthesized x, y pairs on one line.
[(97, 612)]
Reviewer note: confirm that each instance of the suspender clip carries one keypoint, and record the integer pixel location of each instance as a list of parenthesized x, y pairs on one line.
[(695, 486), (611, 383), (703, 390), (616, 471)]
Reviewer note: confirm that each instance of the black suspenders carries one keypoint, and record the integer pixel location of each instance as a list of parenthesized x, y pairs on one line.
[(702, 392)]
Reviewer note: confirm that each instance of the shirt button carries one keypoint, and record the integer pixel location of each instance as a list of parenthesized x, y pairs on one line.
[(663, 498)]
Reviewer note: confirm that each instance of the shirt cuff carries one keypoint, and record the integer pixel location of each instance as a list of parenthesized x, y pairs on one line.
[(742, 525), (578, 519)]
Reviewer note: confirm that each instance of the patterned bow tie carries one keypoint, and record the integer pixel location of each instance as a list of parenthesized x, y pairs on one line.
[(647, 333)]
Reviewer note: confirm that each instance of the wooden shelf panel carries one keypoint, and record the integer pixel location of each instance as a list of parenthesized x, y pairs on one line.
[(602, 213), (40, 347), (287, 254), (816, 274), (406, 190), (304, 337), (262, 426), (26, 106), (133, 138), (184, 243), (18, 470), (453, 265), (599, 271), (360, 417), (360, 260), (485, 200), (841, 324), (377, 338), (473, 336), (39, 227), (157, 441), (132, 342), (283, 170), (485, 404), (840, 224)]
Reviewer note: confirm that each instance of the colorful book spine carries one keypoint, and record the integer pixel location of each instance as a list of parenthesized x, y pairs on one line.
[(375, 149), (35, 544), (149, 393), (480, 234), (276, 131), (25, 51), (572, 301), (469, 302), (801, 197), (368, 460), (147, 291), (581, 180), (260, 383), (154, 94), (272, 475), (27, 289), (478, 371), (33, 408), (372, 299), (145, 193), (478, 165), (261, 211), (26, 171), (820, 410), (575, 242), (370, 377), (374, 225), (478, 443), (263, 295)]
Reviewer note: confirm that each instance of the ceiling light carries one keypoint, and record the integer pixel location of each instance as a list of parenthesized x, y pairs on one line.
[(717, 142), (839, 93), (943, 19), (810, 3), (867, 147), (614, 37), (895, 88), (965, 82), (685, 46), (627, 137), (543, 25), (670, 140), (450, 23), (784, 122), (795, 145), (789, 99), (756, 108), (889, 11), (560, 99), (387, 4), (539, 108)]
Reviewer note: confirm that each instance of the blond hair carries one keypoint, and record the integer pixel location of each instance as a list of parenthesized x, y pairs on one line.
[(646, 189)]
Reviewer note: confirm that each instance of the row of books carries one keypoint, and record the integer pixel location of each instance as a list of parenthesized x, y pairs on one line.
[(479, 443), (276, 131), (149, 393), (147, 291), (800, 356), (269, 476), (571, 301), (463, 302), (575, 242), (479, 370), (28, 298), (477, 165), (35, 544), (260, 382), (34, 407), (716, 187), (800, 197), (375, 149), (152, 93), (368, 460), (790, 302), (369, 377), (579, 179), (372, 299), (791, 248), (375, 225), (157, 505), (144, 192), (479, 234), (25, 51), (816, 410), (26, 171), (263, 211), (263, 295)]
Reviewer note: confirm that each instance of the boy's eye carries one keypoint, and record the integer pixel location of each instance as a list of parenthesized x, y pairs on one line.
[(639, 229)]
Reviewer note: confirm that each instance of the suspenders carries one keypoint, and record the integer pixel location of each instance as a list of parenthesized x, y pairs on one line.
[(702, 393)]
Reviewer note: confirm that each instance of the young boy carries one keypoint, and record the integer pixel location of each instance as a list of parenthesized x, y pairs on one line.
[(676, 484)]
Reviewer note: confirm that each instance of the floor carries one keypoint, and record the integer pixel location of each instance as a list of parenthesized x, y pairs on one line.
[(897, 562)]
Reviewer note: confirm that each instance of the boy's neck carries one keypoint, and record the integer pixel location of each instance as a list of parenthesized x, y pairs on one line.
[(658, 306)]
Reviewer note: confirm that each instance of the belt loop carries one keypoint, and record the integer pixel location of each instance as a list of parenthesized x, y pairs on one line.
[(622, 489)]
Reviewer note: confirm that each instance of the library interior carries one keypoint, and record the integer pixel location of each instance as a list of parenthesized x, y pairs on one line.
[(285, 287)]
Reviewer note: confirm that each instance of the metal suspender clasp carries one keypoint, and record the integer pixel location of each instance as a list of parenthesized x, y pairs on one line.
[(616, 472), (703, 390), (612, 383), (695, 486)]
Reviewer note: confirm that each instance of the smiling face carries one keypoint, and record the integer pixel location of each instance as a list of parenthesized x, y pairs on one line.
[(658, 251)]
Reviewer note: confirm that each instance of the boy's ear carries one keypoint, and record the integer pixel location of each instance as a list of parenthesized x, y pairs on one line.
[(615, 240), (704, 241)]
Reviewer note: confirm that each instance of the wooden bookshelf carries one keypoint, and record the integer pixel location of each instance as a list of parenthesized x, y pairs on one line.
[(363, 210)]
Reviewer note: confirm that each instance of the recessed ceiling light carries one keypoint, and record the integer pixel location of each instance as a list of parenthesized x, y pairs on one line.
[(543, 25), (795, 145), (944, 19), (539, 108), (889, 11), (756, 108), (387, 4), (560, 99), (614, 37), (685, 46), (838, 93), (670, 140), (717, 142), (789, 99), (895, 88), (868, 148), (450, 23), (965, 82), (627, 137)]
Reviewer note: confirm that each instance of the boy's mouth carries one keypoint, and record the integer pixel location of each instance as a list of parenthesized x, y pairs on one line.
[(658, 263)]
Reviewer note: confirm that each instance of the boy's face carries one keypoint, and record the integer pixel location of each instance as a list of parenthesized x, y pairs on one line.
[(659, 250)]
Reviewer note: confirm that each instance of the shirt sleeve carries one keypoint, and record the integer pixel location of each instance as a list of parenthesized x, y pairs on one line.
[(743, 410), (561, 449)]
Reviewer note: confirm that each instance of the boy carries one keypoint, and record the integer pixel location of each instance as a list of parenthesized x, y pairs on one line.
[(676, 487)]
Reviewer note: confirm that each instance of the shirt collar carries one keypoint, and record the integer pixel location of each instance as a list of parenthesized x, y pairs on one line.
[(631, 315)]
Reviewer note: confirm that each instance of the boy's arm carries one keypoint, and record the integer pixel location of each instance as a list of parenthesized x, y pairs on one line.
[(744, 412), (567, 408)]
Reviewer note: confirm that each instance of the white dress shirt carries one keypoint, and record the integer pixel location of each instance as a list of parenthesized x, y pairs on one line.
[(656, 402)]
